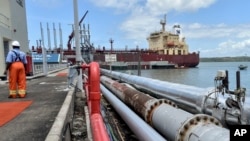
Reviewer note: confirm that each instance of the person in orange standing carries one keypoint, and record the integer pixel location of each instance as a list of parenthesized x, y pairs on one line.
[(16, 64)]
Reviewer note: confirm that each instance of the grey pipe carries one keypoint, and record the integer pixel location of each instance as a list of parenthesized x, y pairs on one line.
[(189, 98), (141, 129), (179, 125), (173, 123)]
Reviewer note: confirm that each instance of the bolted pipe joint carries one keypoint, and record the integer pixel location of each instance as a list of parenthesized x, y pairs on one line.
[(196, 122), (151, 105), (178, 125)]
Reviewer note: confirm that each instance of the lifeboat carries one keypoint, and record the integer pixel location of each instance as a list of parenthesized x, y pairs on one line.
[(170, 43)]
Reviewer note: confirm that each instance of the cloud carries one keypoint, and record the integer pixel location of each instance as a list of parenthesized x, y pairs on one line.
[(228, 48), (197, 30), (138, 27), (116, 4), (143, 17), (163, 6), (234, 38), (240, 45), (154, 7), (206, 31)]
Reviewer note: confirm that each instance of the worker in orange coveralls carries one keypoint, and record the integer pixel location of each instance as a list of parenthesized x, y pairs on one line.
[(16, 64)]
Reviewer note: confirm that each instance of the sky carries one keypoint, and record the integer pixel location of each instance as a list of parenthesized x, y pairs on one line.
[(215, 28)]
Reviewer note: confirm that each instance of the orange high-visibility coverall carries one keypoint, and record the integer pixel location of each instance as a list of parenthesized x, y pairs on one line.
[(17, 79)]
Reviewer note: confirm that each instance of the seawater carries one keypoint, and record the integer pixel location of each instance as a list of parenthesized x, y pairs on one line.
[(202, 76)]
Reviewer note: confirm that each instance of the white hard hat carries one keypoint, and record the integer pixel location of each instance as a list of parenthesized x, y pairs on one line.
[(15, 43)]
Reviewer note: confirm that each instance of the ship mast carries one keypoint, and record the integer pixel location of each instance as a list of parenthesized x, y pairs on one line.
[(111, 43), (163, 23)]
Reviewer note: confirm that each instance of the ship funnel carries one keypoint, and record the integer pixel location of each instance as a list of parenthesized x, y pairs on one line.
[(178, 31)]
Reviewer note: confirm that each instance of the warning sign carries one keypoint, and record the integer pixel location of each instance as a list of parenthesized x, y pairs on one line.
[(110, 58)]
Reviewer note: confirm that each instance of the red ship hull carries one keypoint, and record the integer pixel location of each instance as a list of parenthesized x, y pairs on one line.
[(189, 60)]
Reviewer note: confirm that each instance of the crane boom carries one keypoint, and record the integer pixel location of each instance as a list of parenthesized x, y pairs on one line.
[(71, 36)]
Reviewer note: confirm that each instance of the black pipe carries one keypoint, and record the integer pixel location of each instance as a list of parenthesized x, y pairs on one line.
[(225, 81), (238, 79)]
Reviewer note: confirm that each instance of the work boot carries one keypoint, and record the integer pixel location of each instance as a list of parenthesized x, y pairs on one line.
[(21, 95), (12, 96)]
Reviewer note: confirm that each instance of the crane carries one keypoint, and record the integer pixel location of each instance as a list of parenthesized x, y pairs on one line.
[(71, 36)]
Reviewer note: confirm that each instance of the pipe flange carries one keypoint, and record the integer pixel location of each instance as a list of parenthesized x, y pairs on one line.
[(149, 111), (153, 105), (192, 122), (169, 102)]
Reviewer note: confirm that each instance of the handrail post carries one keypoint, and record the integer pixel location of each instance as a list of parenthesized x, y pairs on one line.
[(93, 94), (93, 85), (94, 89)]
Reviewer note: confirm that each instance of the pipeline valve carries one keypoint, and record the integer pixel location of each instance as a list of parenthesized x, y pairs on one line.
[(235, 99), (221, 81)]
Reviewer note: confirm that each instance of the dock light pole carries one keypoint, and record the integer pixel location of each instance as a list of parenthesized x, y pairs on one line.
[(139, 61), (77, 44), (110, 55), (45, 72), (44, 52)]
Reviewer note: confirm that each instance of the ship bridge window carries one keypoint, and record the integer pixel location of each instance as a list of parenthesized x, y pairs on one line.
[(179, 52)]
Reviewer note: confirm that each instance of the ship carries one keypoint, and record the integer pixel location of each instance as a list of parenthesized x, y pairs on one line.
[(242, 67), (167, 49)]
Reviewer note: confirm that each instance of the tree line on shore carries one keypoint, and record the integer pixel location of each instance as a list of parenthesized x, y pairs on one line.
[(225, 59)]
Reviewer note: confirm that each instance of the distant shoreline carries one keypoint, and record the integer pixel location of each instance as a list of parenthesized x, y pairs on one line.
[(225, 59)]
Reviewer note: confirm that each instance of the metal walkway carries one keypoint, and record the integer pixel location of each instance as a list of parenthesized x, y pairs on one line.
[(34, 123)]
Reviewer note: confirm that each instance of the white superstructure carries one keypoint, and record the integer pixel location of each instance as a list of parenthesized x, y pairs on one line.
[(13, 26)]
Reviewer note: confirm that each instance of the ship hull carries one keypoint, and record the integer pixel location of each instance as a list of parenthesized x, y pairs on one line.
[(180, 61)]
